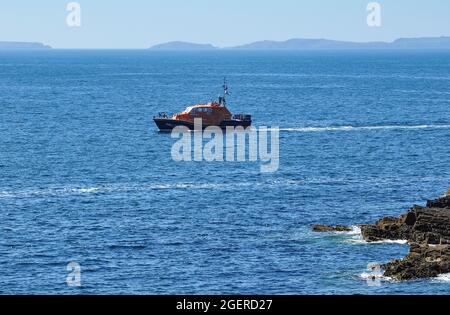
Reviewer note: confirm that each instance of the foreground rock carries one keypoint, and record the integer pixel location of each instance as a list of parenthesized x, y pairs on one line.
[(419, 225), (423, 261), (427, 230), (326, 228), (443, 202)]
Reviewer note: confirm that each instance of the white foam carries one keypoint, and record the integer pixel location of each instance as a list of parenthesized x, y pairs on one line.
[(360, 240), (371, 275), (443, 278), (368, 276), (356, 230), (85, 190), (5, 194), (357, 238), (424, 92), (119, 188), (199, 186), (362, 128), (400, 242)]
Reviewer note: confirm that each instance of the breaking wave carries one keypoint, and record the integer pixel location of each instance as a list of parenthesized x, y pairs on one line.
[(356, 230), (367, 276), (443, 278), (356, 238), (361, 241)]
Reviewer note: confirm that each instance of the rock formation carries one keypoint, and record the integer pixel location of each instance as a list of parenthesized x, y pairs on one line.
[(423, 261), (427, 230), (430, 225), (326, 228)]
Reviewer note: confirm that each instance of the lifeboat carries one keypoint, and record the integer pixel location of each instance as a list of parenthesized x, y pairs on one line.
[(214, 114)]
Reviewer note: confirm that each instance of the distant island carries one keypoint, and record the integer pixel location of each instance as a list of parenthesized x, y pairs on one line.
[(297, 44), (22, 46), (315, 44)]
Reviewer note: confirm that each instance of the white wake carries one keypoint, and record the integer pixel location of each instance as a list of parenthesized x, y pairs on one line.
[(363, 128)]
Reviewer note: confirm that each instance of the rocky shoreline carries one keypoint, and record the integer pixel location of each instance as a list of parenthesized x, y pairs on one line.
[(427, 230)]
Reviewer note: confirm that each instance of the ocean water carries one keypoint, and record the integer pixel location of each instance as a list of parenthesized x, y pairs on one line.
[(85, 177)]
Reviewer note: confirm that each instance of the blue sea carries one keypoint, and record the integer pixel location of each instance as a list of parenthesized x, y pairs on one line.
[(85, 176)]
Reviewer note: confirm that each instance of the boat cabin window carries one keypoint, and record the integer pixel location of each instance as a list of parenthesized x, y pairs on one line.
[(195, 111)]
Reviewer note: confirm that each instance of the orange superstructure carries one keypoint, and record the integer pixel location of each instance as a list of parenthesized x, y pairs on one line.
[(213, 114)]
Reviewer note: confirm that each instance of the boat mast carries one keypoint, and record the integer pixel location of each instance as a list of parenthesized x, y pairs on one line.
[(222, 100)]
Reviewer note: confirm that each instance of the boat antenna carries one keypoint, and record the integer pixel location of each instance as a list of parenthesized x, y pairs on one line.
[(225, 91)]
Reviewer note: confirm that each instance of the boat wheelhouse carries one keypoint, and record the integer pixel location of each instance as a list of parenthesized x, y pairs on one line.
[(212, 114)]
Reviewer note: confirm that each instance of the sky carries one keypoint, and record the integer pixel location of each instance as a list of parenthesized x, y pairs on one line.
[(143, 23)]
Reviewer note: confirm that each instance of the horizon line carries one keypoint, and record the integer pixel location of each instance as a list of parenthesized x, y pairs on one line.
[(214, 47)]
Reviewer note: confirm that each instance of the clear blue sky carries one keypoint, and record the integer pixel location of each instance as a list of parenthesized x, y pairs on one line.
[(141, 23)]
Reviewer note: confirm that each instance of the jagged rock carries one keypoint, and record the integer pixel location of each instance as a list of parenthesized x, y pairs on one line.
[(386, 229), (419, 225), (423, 261), (443, 202), (326, 228), (427, 230)]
